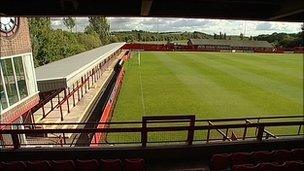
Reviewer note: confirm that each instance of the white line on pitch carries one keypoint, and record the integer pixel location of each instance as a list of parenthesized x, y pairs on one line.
[(141, 88)]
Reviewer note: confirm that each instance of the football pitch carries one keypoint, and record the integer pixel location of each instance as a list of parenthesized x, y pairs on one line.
[(210, 85)]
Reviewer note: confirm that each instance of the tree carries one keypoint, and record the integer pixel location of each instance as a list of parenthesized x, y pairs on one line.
[(241, 36), (89, 41), (100, 26), (40, 29), (69, 22), (225, 36), (302, 31), (49, 45)]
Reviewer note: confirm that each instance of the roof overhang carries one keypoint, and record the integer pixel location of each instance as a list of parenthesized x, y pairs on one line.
[(65, 72), (274, 10)]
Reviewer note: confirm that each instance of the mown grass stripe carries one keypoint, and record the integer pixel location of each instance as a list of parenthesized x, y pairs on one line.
[(291, 92), (234, 82)]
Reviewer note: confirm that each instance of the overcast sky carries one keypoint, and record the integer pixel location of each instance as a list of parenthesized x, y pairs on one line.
[(210, 26)]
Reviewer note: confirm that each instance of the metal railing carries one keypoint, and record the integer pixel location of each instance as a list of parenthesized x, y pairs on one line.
[(160, 130)]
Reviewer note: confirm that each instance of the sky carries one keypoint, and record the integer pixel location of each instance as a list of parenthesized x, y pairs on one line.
[(209, 26)]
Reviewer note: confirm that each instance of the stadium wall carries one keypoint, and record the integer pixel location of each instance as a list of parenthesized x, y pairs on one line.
[(172, 47)]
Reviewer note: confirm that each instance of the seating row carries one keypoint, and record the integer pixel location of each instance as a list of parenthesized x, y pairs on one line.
[(224, 161), (286, 166), (77, 165)]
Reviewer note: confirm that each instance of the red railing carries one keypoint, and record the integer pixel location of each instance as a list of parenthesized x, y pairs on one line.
[(80, 89), (159, 130)]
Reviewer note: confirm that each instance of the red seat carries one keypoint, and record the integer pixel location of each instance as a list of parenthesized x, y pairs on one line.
[(38, 165), (87, 165), (241, 158), (282, 155), (298, 154), (262, 156), (294, 166), (63, 165), (245, 167), (271, 167), (111, 165), (134, 165), (220, 161), (13, 166)]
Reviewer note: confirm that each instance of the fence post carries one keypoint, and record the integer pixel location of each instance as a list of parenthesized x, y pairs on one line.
[(82, 84), (258, 121), (225, 138), (52, 105), (191, 130), (60, 107), (73, 94), (66, 96), (245, 130), (15, 139), (144, 133), (43, 111), (208, 132), (260, 132), (299, 130)]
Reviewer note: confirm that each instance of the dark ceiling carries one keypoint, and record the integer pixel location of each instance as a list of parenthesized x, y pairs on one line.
[(274, 10)]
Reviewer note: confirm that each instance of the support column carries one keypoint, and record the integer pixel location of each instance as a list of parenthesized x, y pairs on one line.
[(52, 105), (73, 95), (82, 84), (78, 91), (43, 111), (60, 108), (88, 79), (67, 99)]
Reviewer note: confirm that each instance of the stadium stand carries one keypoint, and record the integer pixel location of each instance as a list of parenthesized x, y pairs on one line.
[(243, 45), (75, 165), (38, 165), (277, 160), (85, 165)]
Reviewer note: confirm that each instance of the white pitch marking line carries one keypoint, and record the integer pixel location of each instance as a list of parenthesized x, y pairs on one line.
[(141, 86)]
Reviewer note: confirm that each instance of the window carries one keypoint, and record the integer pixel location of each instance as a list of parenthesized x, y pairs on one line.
[(3, 102), (9, 78), (20, 75), (13, 85)]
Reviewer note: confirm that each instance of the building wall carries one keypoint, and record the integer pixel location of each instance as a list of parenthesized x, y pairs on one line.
[(13, 48), (17, 44)]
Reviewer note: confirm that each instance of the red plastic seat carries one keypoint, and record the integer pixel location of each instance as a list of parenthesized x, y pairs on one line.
[(271, 167), (298, 154), (282, 155), (111, 165), (38, 165), (294, 166), (134, 165), (220, 161), (63, 165), (87, 165), (245, 167), (13, 166), (241, 158), (262, 156)]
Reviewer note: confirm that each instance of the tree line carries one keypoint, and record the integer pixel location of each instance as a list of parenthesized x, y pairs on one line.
[(49, 44)]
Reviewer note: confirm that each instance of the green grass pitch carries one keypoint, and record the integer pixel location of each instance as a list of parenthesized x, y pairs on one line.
[(211, 85)]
